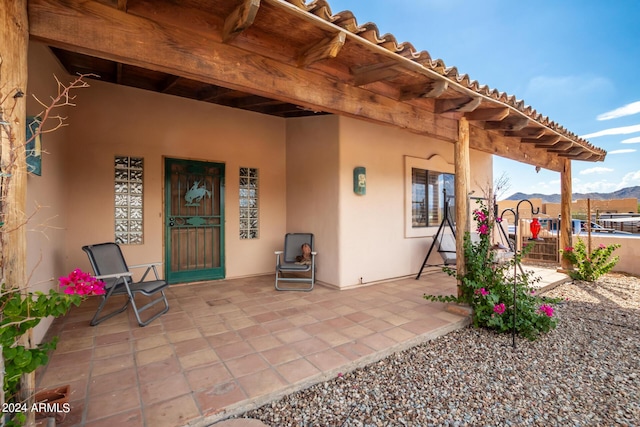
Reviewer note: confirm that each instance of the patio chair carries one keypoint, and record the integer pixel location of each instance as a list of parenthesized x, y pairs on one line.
[(289, 262), (109, 266)]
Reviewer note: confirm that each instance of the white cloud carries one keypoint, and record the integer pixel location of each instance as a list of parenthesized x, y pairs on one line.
[(626, 150), (633, 140), (613, 131), (627, 110), (631, 179), (597, 169), (594, 186)]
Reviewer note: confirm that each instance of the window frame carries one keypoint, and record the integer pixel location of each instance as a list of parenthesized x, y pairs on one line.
[(435, 163)]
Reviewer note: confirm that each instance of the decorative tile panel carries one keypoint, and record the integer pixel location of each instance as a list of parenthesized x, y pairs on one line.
[(128, 200), (248, 201)]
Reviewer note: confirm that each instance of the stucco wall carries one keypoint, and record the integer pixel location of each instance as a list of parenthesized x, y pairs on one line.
[(312, 188), (629, 252), (116, 120), (46, 207)]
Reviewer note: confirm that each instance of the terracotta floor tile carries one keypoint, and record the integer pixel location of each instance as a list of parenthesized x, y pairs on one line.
[(165, 388), (245, 365), (261, 383), (398, 334), (117, 401), (278, 325), (173, 412), (377, 341), (215, 398), (234, 350), (424, 325), (309, 346), (150, 342), (356, 332), (396, 320), (266, 317), (75, 344), (327, 360), (116, 338), (183, 348), (334, 339), (131, 418), (252, 332), (292, 335), (107, 351), (65, 374), (279, 355), (358, 317), (160, 369), (147, 331), (208, 376), (223, 339), (101, 384), (354, 350), (198, 358), (155, 354), (297, 370)]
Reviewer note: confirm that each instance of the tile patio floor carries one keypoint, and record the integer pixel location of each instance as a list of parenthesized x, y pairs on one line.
[(231, 345)]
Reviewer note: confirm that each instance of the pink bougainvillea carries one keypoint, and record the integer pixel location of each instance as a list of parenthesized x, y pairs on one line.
[(80, 283)]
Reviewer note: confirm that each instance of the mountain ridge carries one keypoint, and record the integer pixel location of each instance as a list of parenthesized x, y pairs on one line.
[(623, 193)]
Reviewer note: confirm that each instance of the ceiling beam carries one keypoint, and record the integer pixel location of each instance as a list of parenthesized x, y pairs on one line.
[(423, 90), (168, 83), (96, 29), (212, 93), (530, 133), (460, 105), (240, 19), (122, 5), (484, 114), (547, 140), (510, 124), (374, 73), (327, 48)]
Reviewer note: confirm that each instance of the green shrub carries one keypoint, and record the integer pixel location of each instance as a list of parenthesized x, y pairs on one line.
[(488, 287), (589, 267)]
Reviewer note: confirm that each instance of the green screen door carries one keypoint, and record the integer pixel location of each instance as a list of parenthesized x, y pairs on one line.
[(194, 221)]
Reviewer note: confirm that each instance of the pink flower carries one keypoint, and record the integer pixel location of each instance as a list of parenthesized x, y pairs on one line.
[(482, 291), (568, 249), (498, 219), (483, 229), (602, 246), (546, 309), (499, 308), (81, 283)]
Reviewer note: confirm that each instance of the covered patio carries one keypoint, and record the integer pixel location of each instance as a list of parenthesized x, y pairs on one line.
[(232, 345)]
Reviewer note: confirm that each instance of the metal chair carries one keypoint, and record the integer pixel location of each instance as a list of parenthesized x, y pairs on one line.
[(109, 266), (288, 261)]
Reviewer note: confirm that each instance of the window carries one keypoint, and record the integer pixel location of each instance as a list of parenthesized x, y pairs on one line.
[(427, 201), (424, 182), (248, 203), (128, 200)]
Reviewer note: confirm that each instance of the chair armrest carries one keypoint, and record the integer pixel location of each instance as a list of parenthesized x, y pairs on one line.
[(314, 253), (114, 276), (147, 265), (278, 252)]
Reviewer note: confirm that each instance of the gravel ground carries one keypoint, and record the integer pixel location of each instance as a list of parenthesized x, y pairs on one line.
[(584, 373)]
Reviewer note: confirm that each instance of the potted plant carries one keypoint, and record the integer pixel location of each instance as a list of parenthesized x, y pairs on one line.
[(22, 310)]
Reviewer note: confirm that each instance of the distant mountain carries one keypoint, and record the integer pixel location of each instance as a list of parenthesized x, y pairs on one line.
[(624, 193)]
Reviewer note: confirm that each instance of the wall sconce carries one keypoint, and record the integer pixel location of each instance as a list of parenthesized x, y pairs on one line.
[(360, 180)]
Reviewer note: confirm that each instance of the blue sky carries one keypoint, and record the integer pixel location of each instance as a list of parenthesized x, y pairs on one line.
[(575, 61)]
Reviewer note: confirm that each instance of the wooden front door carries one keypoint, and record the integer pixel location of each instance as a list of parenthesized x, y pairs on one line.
[(194, 221)]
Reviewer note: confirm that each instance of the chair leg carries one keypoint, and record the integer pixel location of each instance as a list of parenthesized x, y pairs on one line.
[(137, 311), (95, 321)]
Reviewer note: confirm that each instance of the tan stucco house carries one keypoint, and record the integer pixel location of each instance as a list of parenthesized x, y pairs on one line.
[(212, 129)]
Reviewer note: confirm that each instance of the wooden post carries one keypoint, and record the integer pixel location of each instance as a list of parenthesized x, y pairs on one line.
[(565, 211), (589, 226), (462, 183), (14, 39)]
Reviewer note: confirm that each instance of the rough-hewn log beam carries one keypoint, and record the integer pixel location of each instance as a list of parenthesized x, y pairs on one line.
[(460, 105), (240, 19), (429, 90), (93, 28), (168, 83), (546, 140), (327, 48), (374, 73), (462, 183), (511, 124), (565, 210), (485, 114), (531, 133)]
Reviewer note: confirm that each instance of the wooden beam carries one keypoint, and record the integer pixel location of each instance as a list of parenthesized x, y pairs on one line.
[(546, 140), (488, 114), (168, 83), (14, 49), (325, 49), (118, 72), (212, 93), (499, 145), (374, 73), (565, 210), (424, 90), (511, 124), (240, 19), (460, 105), (122, 5), (530, 133), (462, 184), (93, 28)]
